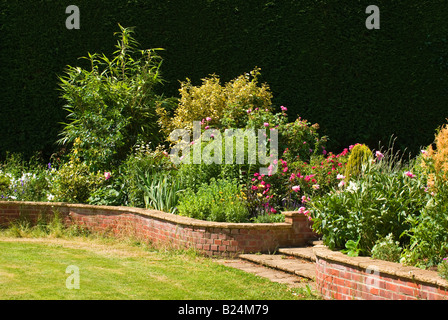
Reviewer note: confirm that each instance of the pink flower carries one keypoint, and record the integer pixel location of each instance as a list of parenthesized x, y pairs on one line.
[(296, 188), (207, 127), (379, 155), (410, 174), (340, 176), (249, 111), (266, 124), (107, 175), (273, 210), (208, 119), (284, 108)]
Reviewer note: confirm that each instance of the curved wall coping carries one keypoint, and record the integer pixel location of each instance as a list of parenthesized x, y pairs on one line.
[(182, 220)]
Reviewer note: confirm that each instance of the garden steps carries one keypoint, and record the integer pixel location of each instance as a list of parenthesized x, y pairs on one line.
[(297, 261)]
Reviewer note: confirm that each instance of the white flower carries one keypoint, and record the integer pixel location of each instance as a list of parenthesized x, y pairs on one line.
[(340, 176), (341, 184), (352, 187)]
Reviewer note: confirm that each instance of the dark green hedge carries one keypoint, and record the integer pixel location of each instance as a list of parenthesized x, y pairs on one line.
[(318, 57)]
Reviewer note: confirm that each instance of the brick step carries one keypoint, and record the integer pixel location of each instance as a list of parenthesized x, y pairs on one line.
[(288, 263), (304, 253)]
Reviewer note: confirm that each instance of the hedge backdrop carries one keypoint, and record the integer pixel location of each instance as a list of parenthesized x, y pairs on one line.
[(318, 57)]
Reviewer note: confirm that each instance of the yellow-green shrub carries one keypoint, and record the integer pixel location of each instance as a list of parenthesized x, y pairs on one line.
[(227, 105), (74, 183), (359, 156)]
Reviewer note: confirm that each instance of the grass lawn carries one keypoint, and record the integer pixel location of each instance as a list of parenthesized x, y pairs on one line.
[(35, 268)]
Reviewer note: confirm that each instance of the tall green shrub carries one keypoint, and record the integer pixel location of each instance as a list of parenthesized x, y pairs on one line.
[(113, 104)]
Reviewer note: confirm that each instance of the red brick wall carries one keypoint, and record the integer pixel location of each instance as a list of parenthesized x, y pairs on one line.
[(344, 278), (163, 229)]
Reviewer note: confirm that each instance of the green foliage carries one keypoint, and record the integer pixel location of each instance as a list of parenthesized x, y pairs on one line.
[(220, 200), (387, 249), (374, 205), (269, 218), (160, 191), (111, 193), (442, 268), (113, 104), (22, 180), (359, 157), (45, 226), (428, 232), (351, 248), (4, 183), (74, 182), (144, 161), (301, 139)]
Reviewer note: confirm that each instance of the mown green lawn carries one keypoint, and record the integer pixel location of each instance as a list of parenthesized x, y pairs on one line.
[(35, 268)]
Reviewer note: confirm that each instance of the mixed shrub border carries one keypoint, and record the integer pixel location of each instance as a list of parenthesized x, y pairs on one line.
[(114, 152)]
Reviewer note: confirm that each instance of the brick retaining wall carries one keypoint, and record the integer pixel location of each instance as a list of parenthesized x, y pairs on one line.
[(164, 229), (341, 277)]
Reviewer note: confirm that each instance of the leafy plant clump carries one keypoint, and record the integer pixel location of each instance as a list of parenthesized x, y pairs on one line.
[(112, 105), (443, 268), (372, 206), (387, 249), (220, 200)]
